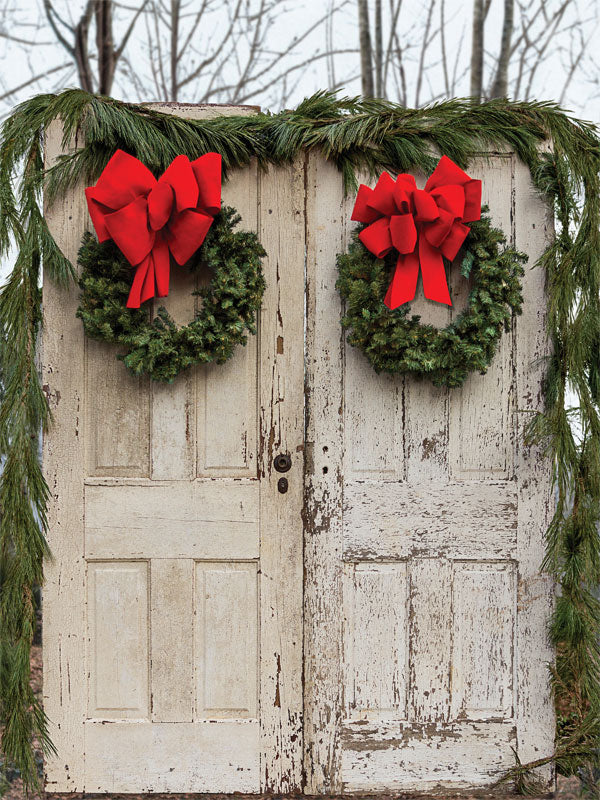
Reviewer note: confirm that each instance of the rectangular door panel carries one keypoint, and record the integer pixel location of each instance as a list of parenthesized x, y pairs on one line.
[(228, 391), (376, 652), (117, 414), (484, 605), (226, 640), (118, 665)]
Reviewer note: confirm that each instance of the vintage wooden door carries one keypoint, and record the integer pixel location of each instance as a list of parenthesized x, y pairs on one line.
[(173, 605), (176, 656), (425, 647)]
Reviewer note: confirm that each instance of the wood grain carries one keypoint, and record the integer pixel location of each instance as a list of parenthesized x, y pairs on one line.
[(328, 211), (64, 465), (281, 430), (533, 223)]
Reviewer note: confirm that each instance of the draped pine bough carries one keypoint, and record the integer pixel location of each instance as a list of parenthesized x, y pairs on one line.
[(355, 134)]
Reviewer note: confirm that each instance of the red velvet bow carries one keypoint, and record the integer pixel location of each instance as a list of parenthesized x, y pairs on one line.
[(148, 218), (400, 216)]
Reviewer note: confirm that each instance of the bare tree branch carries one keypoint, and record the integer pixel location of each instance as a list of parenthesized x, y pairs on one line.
[(33, 80)]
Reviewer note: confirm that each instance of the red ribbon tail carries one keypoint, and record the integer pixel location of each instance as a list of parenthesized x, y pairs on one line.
[(404, 283), (149, 281), (435, 285), (139, 281), (151, 277), (160, 253)]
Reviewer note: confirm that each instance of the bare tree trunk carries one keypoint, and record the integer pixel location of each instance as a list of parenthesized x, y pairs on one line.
[(175, 8), (500, 85), (477, 49), (104, 42), (366, 57), (74, 38), (81, 51), (378, 50)]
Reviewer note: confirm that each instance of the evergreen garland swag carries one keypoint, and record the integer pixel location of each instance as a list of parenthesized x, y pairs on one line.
[(354, 134), (395, 342), (158, 347)]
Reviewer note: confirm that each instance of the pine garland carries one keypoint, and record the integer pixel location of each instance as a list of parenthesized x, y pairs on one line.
[(397, 343), (159, 348), (354, 134)]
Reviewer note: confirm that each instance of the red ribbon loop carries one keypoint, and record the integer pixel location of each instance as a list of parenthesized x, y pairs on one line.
[(149, 220), (423, 225)]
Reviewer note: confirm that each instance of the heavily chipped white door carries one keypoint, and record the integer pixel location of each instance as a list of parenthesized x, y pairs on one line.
[(173, 604), (425, 644)]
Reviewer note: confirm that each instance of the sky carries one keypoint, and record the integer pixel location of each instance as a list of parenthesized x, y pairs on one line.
[(36, 51)]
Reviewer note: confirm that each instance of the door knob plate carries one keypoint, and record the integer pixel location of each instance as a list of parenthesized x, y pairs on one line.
[(282, 462)]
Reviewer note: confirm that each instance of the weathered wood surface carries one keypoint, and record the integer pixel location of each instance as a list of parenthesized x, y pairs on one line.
[(175, 654), (323, 585), (173, 606), (424, 538), (281, 430), (533, 224), (64, 461)]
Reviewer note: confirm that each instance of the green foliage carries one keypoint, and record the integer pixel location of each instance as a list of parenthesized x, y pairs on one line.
[(354, 134), (396, 342), (158, 347)]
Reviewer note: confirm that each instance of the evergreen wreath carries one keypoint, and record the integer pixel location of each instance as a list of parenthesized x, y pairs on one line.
[(396, 342), (158, 347)]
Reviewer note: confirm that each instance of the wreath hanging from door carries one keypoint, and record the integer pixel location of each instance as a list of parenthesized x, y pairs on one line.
[(142, 222), (404, 230)]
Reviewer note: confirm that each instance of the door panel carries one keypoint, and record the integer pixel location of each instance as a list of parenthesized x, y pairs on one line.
[(173, 607), (226, 640), (376, 646), (118, 601), (421, 546), (116, 422)]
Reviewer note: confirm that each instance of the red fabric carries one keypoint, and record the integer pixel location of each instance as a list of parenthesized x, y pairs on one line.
[(149, 220), (423, 225)]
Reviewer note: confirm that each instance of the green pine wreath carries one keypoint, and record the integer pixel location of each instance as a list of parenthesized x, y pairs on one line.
[(158, 347), (397, 342)]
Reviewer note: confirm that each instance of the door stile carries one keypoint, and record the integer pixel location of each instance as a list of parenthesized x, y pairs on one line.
[(63, 376), (535, 590), (328, 213), (281, 430)]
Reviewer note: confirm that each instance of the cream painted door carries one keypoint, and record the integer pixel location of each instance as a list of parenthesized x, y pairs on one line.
[(173, 604), (425, 646)]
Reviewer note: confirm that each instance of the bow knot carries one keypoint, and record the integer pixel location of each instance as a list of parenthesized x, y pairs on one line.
[(151, 219), (423, 225)]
